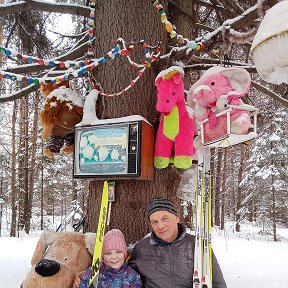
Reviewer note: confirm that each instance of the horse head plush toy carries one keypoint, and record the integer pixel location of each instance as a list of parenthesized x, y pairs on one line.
[(175, 127), (58, 257), (218, 87), (62, 110)]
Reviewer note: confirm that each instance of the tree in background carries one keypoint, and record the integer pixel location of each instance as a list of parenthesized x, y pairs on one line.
[(268, 196)]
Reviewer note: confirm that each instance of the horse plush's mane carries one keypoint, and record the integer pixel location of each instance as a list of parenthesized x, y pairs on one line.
[(169, 75), (170, 72)]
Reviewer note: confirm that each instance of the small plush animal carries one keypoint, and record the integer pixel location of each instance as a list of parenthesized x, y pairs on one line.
[(176, 129), (58, 257), (218, 87), (62, 110)]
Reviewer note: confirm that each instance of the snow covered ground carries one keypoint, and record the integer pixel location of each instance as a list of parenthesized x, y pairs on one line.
[(247, 259)]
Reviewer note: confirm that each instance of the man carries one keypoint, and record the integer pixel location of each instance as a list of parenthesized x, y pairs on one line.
[(166, 258)]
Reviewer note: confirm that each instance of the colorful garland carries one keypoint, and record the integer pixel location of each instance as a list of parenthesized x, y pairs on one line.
[(197, 44), (91, 24), (89, 63), (140, 74), (83, 66), (43, 62)]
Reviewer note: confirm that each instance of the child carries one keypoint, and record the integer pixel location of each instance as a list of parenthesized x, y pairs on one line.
[(114, 271)]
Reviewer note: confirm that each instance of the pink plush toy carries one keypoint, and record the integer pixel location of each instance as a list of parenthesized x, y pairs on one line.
[(218, 87), (175, 127)]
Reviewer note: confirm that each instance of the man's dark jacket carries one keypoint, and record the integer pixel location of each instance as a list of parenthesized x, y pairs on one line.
[(170, 265)]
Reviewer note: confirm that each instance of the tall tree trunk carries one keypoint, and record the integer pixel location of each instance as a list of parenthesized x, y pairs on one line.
[(273, 193), (32, 164), (42, 188), (223, 190), (239, 189), (74, 190), (13, 172), (132, 22), (212, 172), (274, 210), (1, 192), (217, 187), (26, 160), (233, 183), (23, 163)]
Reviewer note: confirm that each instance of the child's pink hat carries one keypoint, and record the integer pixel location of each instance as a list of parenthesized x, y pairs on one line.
[(114, 239)]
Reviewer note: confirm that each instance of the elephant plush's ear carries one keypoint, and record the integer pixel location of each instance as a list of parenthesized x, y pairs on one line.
[(90, 242), (47, 238), (239, 79)]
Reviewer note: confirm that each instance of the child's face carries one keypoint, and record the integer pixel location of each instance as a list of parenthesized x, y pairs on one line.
[(114, 258)]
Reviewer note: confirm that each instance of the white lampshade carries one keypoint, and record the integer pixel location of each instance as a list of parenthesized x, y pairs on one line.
[(269, 49)]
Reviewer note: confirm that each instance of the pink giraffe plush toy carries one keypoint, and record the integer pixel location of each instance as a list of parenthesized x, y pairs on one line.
[(175, 127)]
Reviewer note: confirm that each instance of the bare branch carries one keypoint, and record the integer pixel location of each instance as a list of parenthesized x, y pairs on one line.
[(19, 94), (33, 5), (235, 6), (270, 93), (216, 7)]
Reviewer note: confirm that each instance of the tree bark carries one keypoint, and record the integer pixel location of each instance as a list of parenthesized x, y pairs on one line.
[(32, 165), (239, 189), (273, 191), (223, 189), (23, 167), (13, 172), (217, 188), (132, 196), (42, 188)]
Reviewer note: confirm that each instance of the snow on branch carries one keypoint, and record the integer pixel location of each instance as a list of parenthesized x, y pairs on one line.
[(33, 5), (235, 6), (270, 93), (19, 94)]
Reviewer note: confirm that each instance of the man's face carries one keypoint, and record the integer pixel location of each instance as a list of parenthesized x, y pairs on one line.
[(164, 225)]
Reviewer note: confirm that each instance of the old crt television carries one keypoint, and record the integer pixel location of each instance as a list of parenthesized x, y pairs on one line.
[(114, 148)]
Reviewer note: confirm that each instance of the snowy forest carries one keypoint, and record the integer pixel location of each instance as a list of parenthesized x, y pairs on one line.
[(46, 38)]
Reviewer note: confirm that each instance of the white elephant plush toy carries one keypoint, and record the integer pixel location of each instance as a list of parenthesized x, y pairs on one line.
[(218, 87)]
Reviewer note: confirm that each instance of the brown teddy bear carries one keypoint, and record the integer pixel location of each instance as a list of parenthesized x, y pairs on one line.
[(62, 110), (58, 257)]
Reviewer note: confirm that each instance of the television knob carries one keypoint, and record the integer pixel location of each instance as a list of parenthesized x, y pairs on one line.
[(133, 148)]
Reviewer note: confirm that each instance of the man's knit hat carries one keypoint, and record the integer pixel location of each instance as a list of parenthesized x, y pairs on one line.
[(114, 239), (160, 204)]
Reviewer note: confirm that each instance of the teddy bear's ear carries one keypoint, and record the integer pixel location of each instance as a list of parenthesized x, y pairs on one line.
[(90, 241), (239, 79), (45, 89), (47, 238)]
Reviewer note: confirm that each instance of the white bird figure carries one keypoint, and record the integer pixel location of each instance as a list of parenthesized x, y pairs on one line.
[(89, 111)]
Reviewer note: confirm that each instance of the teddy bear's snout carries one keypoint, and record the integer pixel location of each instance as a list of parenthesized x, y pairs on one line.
[(47, 267)]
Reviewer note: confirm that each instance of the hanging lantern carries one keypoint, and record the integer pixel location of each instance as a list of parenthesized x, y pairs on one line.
[(269, 49)]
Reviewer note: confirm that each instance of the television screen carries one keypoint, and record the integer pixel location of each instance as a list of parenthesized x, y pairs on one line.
[(114, 148), (103, 150)]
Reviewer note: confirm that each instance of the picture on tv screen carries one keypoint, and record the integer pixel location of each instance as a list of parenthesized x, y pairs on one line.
[(104, 150)]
